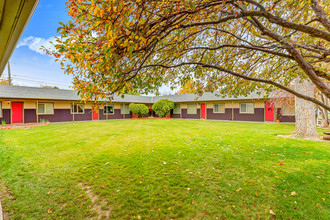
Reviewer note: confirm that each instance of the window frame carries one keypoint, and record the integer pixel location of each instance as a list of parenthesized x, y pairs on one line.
[(78, 113), (44, 103), (1, 112), (179, 111), (123, 109), (194, 111), (113, 109), (292, 114), (246, 103), (220, 112)]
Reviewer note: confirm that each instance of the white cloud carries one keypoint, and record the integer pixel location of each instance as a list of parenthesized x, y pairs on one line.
[(35, 43)]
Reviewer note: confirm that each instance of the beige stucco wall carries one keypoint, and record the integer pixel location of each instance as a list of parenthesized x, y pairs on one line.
[(184, 105), (235, 104), (61, 104), (31, 104), (259, 104), (5, 104), (27, 104)]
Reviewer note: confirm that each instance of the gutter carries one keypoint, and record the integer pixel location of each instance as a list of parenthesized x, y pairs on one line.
[(17, 27)]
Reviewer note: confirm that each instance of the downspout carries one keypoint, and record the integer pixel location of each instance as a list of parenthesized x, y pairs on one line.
[(232, 110), (37, 111), (124, 110), (72, 104)]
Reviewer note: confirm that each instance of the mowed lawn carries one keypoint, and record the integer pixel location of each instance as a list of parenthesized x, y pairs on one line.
[(163, 169)]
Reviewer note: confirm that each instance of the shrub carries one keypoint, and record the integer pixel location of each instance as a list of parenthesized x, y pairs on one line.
[(3, 122), (138, 109), (163, 107)]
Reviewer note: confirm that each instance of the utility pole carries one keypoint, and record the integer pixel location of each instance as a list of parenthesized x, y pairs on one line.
[(9, 75)]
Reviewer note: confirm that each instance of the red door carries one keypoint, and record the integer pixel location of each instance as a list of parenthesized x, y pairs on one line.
[(203, 109), (95, 114), (17, 112), (269, 112)]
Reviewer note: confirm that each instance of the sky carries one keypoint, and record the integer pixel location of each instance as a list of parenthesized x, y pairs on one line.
[(29, 65)]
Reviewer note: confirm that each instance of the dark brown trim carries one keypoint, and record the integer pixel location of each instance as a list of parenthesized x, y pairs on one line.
[(258, 115), (191, 116), (227, 115), (284, 118)]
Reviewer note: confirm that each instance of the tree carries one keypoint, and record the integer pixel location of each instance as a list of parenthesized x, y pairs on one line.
[(138, 109), (192, 87), (187, 88), (305, 116), (323, 112), (50, 87), (4, 81), (236, 46), (163, 107)]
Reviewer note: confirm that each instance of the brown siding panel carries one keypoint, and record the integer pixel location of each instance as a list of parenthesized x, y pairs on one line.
[(284, 118), (30, 116), (175, 115), (6, 116), (192, 116), (117, 115), (58, 116), (84, 117), (219, 116), (257, 116)]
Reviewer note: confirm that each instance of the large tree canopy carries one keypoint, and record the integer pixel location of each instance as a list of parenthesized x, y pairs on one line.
[(234, 46)]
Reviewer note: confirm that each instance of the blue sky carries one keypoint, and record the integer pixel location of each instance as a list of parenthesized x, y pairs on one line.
[(29, 65)]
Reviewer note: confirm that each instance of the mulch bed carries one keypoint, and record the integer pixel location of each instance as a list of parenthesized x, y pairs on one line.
[(151, 118), (25, 125)]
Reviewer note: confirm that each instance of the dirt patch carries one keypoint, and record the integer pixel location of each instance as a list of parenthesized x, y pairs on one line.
[(96, 206), (4, 193), (294, 137), (24, 125)]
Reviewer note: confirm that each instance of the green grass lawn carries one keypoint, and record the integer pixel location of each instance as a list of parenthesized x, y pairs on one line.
[(163, 169)]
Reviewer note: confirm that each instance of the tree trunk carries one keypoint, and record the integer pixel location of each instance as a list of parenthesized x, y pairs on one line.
[(305, 111), (324, 112), (325, 118)]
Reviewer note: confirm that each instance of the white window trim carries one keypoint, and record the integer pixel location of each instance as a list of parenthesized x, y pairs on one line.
[(224, 108), (179, 110), (195, 110), (44, 103), (78, 113), (246, 108), (122, 109), (113, 107)]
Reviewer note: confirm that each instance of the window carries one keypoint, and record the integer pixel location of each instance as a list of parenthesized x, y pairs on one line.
[(191, 109), (247, 108), (219, 108), (0, 109), (177, 109), (77, 109), (288, 110), (45, 108), (124, 109), (108, 109)]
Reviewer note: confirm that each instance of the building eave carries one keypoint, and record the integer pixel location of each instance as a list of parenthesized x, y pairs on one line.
[(14, 17)]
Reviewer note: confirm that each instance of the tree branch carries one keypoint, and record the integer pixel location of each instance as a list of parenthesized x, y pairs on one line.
[(315, 101)]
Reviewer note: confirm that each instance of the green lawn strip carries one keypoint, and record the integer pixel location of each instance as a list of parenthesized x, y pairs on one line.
[(164, 169)]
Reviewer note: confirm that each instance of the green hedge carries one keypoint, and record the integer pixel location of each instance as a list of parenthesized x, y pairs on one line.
[(163, 107), (138, 109)]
